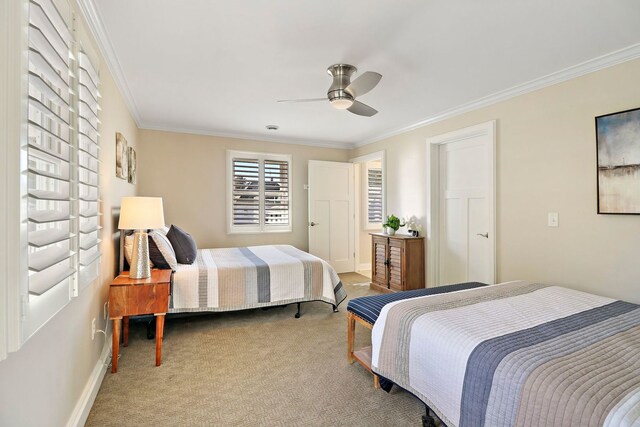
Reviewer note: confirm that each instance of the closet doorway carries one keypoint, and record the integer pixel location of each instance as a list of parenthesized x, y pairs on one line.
[(370, 205)]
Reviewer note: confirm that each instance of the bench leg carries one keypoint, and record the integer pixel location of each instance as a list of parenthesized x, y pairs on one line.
[(376, 382), (351, 335)]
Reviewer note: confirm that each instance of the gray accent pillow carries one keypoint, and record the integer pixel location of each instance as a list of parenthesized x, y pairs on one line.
[(161, 252), (183, 245)]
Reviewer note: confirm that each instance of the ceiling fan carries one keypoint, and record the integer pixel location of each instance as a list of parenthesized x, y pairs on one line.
[(343, 92)]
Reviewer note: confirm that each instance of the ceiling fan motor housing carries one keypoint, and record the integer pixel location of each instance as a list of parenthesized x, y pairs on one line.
[(341, 74)]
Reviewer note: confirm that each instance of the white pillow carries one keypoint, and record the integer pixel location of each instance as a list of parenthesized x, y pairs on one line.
[(165, 249)]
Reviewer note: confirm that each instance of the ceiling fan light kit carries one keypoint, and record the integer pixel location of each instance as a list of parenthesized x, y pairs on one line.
[(343, 92), (341, 103)]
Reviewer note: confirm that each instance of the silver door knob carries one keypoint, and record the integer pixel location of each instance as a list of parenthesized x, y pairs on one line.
[(313, 223), (485, 235)]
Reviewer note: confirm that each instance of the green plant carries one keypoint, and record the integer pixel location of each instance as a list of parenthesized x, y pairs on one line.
[(393, 222)]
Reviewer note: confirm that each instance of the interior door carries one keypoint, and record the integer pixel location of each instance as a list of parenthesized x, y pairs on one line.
[(331, 213), (465, 211)]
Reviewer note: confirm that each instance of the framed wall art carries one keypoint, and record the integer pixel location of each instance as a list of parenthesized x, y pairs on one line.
[(132, 165), (122, 157), (618, 159)]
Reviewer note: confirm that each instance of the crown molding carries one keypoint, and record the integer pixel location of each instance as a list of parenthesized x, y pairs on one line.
[(253, 137), (92, 17), (628, 53)]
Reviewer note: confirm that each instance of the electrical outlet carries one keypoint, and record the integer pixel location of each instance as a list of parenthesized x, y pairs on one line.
[(105, 311), (93, 329)]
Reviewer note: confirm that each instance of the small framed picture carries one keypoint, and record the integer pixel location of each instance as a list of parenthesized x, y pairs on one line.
[(122, 154), (132, 165)]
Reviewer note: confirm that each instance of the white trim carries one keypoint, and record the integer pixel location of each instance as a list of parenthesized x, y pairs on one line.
[(628, 53), (13, 120), (376, 155), (365, 266), (357, 215), (92, 17), (261, 228), (83, 406), (5, 180), (252, 137), (433, 190)]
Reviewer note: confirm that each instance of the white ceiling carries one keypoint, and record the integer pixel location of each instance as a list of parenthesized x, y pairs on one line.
[(218, 67)]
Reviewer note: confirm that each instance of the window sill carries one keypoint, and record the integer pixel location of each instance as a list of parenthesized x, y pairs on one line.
[(231, 232)]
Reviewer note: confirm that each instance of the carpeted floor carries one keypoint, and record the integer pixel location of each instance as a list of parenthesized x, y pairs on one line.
[(251, 368)]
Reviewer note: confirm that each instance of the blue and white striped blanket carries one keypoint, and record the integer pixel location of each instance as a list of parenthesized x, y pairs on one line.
[(227, 279), (515, 354)]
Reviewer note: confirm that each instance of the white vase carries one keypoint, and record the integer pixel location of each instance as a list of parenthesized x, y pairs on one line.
[(390, 231)]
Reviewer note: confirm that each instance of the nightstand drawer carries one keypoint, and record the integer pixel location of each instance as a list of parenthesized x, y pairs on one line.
[(134, 300)]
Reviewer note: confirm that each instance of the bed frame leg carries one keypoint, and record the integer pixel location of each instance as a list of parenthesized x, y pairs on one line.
[(297, 316), (427, 419), (335, 308)]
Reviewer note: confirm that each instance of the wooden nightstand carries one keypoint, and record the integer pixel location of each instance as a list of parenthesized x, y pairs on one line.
[(133, 297)]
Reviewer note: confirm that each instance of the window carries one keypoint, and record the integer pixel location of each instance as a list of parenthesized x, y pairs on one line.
[(61, 185), (258, 192), (374, 195)]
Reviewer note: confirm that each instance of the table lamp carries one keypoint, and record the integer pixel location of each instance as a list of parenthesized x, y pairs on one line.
[(140, 214)]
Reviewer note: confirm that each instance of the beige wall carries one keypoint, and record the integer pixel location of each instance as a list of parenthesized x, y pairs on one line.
[(189, 172), (42, 382), (546, 162)]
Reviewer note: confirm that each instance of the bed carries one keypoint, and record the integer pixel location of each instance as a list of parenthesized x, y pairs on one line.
[(227, 279), (514, 354), (365, 310)]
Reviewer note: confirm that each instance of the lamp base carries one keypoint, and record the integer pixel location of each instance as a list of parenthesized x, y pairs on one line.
[(140, 266)]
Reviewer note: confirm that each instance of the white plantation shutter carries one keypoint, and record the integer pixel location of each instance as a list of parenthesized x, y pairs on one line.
[(51, 252), (88, 170), (259, 192), (276, 192), (59, 182), (246, 191), (374, 195)]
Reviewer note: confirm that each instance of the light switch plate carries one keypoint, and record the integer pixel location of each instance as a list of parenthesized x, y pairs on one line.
[(553, 219)]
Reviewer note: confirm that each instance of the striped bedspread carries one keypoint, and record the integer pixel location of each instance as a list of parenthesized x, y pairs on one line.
[(229, 279), (515, 354)]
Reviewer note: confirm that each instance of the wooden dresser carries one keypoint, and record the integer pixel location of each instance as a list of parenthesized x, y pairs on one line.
[(397, 262)]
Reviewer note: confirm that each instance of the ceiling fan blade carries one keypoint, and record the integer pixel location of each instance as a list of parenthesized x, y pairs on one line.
[(303, 100), (362, 109), (363, 84)]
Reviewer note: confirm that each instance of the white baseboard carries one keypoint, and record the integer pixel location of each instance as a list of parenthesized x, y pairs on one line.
[(81, 411), (364, 266)]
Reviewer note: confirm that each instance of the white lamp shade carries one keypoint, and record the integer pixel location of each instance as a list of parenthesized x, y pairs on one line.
[(140, 213)]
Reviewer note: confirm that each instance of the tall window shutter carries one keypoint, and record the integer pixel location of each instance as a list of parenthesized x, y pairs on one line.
[(88, 170), (50, 154), (246, 191), (276, 192), (374, 195)]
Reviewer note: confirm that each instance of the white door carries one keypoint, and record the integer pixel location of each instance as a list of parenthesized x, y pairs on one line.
[(466, 225), (331, 215)]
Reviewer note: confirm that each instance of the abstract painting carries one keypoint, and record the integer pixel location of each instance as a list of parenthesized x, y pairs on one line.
[(132, 165), (618, 142), (122, 154)]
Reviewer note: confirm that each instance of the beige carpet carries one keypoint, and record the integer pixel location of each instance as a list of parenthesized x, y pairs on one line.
[(251, 368)]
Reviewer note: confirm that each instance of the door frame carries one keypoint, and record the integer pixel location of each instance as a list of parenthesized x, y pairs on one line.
[(433, 192), (359, 161)]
